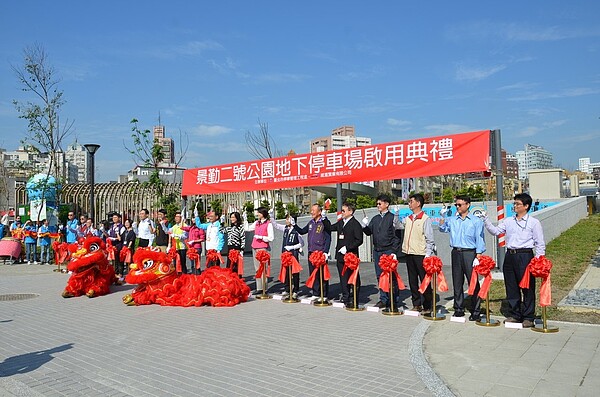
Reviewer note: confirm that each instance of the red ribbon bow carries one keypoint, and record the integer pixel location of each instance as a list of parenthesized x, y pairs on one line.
[(389, 268), (61, 252), (235, 257), (174, 256), (486, 264), (110, 250), (317, 258), (264, 258), (352, 262), (433, 265), (213, 256), (288, 259), (539, 267), (125, 255), (192, 253)]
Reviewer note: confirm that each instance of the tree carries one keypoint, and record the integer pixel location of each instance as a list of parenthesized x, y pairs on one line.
[(42, 113), (292, 209), (364, 201), (147, 152), (249, 210)]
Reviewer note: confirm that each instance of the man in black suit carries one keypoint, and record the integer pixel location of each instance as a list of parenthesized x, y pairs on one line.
[(349, 238)]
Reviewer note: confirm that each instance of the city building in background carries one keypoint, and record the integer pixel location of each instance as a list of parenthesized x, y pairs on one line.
[(533, 158)]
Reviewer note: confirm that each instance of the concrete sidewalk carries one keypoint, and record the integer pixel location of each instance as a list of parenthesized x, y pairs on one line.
[(50, 346)]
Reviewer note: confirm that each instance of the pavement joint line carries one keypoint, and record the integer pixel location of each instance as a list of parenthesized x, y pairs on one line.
[(420, 364)]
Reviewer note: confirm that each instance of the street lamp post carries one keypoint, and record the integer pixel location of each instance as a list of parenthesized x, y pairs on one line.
[(92, 148)]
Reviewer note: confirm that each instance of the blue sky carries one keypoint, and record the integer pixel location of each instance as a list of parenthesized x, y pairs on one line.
[(396, 70)]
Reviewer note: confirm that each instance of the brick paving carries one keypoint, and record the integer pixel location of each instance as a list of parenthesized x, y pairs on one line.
[(52, 346)]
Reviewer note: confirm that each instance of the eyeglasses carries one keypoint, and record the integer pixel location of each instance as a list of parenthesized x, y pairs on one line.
[(517, 204)]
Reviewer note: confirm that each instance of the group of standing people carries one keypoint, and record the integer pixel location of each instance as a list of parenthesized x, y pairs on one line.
[(524, 240)]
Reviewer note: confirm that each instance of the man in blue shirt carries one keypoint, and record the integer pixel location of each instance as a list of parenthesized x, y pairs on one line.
[(466, 240), (72, 228)]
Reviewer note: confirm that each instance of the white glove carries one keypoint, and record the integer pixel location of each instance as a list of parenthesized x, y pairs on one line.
[(482, 215), (327, 256), (258, 237), (271, 213), (343, 250), (444, 211), (339, 216), (475, 262), (222, 219), (245, 216), (292, 221), (168, 247), (288, 247), (394, 257), (365, 221), (195, 212), (324, 213)]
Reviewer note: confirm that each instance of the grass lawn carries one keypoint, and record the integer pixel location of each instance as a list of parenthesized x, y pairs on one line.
[(570, 254)]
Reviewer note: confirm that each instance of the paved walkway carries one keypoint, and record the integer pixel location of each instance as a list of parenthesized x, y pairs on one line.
[(50, 346)]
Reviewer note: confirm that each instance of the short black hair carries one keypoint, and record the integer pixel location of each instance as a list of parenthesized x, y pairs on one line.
[(350, 206), (384, 197), (418, 197), (464, 198), (264, 212), (525, 199)]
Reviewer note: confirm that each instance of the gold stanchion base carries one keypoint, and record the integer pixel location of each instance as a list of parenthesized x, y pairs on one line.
[(355, 309), (263, 296), (388, 312), (485, 323), (547, 330), (57, 270), (291, 300), (435, 317), (321, 303)]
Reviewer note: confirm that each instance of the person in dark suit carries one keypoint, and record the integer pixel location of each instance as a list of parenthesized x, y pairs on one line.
[(349, 238)]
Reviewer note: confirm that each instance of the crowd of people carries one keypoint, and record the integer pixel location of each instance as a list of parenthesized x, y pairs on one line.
[(524, 240)]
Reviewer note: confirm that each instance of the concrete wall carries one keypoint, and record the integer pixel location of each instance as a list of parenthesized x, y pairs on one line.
[(555, 220), (545, 184)]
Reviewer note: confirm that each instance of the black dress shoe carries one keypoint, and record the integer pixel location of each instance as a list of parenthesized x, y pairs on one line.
[(474, 317), (459, 314), (380, 305)]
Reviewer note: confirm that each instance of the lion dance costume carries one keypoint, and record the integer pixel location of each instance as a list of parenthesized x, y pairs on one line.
[(157, 282), (91, 274)]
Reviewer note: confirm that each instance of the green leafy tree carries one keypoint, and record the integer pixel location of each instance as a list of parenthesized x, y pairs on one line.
[(279, 210), (147, 152), (42, 113), (292, 209), (448, 195), (217, 206), (364, 201), (249, 208)]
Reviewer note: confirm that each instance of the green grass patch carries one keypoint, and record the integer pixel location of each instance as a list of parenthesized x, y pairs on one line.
[(570, 253)]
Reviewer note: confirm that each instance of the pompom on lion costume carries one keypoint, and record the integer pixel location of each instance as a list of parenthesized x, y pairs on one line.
[(157, 282), (91, 274)]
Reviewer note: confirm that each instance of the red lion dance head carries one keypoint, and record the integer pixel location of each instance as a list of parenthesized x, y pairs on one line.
[(91, 274)]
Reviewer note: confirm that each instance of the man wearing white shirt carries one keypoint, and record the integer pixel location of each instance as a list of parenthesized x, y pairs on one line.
[(146, 229)]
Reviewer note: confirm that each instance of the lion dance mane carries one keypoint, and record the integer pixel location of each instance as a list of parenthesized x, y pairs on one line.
[(91, 274), (157, 282)]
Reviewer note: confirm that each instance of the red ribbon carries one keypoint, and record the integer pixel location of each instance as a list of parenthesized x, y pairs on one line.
[(235, 257), (61, 252), (539, 267), (352, 262), (192, 253), (264, 258), (433, 265), (125, 255), (486, 264), (213, 256), (110, 250), (317, 258), (30, 233), (288, 259), (389, 268), (174, 256)]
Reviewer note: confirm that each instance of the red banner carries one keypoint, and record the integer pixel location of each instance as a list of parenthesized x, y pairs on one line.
[(441, 155)]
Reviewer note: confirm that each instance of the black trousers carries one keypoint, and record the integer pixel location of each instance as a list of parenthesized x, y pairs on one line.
[(119, 266), (416, 274), (347, 289), (462, 265), (295, 281), (183, 259), (521, 301)]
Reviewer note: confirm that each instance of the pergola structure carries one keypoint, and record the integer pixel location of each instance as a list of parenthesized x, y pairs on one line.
[(125, 198)]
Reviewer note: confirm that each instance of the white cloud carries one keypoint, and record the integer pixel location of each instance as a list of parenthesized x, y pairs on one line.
[(397, 123), (565, 93), (197, 47), (476, 73), (442, 129), (209, 130), (280, 78), (528, 131)]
